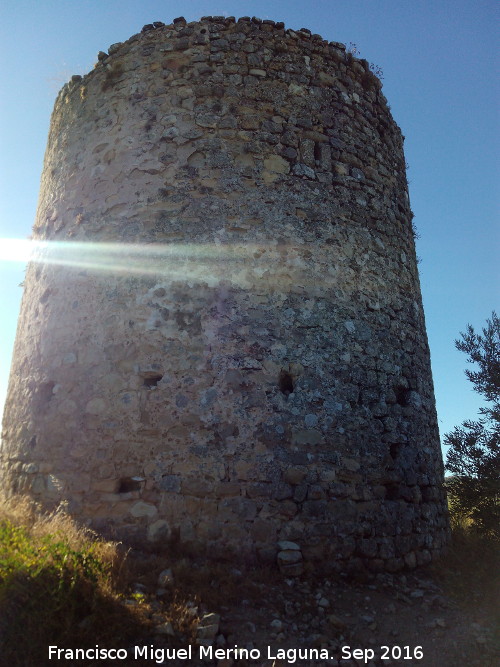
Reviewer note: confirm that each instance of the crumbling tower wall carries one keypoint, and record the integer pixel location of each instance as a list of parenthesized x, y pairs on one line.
[(230, 345)]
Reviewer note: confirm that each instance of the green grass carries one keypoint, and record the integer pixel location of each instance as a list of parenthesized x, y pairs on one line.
[(50, 573), (59, 585)]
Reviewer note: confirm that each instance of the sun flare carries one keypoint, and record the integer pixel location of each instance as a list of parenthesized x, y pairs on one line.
[(210, 263)]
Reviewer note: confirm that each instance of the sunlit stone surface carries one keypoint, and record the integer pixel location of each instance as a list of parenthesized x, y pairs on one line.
[(222, 341)]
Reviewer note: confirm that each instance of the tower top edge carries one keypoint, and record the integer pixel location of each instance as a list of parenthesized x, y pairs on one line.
[(179, 36)]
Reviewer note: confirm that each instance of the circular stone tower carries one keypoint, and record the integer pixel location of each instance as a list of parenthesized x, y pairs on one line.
[(223, 340)]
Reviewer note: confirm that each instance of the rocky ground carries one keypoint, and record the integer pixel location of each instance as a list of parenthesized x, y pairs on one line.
[(386, 619)]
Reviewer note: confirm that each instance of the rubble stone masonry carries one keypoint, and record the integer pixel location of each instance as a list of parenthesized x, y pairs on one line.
[(261, 372)]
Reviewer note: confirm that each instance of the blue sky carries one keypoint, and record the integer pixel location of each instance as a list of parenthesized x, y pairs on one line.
[(440, 78)]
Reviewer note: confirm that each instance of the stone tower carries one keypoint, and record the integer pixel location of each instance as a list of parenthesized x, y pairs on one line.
[(224, 342)]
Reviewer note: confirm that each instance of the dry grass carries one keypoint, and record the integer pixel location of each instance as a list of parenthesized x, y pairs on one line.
[(59, 584), (22, 511)]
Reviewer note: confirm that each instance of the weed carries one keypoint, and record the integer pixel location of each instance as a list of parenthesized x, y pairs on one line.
[(353, 50), (414, 231), (373, 75), (377, 70), (59, 584)]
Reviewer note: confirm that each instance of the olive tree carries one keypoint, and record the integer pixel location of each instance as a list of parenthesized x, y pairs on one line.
[(474, 454)]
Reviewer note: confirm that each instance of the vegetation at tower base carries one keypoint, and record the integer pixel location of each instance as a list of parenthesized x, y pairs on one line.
[(474, 454), (235, 354), (63, 586), (53, 576)]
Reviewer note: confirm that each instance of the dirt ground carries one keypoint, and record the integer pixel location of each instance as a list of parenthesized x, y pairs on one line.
[(311, 621)]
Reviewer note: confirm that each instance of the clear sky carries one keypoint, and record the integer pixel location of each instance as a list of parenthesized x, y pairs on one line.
[(440, 78)]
